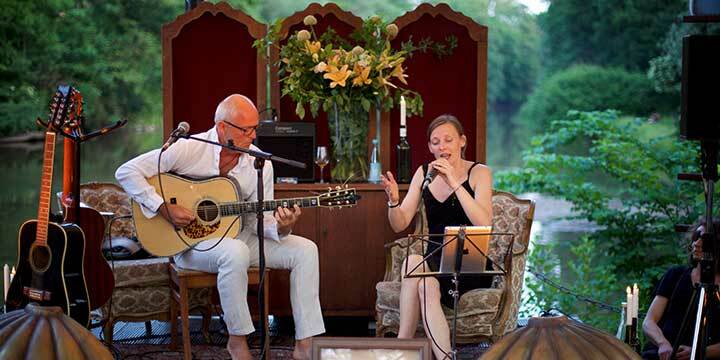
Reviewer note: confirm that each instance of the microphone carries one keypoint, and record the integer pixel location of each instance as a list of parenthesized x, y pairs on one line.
[(431, 174), (181, 130)]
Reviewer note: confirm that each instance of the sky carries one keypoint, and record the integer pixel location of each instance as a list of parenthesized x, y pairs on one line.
[(535, 6)]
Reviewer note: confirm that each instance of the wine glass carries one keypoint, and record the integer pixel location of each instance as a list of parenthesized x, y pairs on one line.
[(321, 159)]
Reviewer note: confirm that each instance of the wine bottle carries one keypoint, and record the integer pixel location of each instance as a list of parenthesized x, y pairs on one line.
[(403, 158)]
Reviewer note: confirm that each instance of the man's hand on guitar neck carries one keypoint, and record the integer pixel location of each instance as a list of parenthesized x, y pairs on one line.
[(176, 214), (286, 218)]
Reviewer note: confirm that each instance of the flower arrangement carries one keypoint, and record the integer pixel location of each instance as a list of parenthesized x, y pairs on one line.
[(345, 79)]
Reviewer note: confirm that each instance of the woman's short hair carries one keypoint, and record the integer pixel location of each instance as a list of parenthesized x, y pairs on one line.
[(447, 119)]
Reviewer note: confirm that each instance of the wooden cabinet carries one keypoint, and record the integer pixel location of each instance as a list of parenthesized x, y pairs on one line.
[(351, 247)]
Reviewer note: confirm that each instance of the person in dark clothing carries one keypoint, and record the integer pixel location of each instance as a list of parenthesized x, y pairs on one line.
[(460, 194), (672, 299)]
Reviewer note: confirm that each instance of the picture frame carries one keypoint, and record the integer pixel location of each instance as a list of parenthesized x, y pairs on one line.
[(336, 348)]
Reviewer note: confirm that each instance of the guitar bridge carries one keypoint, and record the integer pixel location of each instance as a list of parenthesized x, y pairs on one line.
[(36, 295)]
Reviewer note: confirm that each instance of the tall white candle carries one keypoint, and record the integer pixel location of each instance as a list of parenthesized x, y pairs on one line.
[(402, 111), (628, 317), (636, 298), (6, 280)]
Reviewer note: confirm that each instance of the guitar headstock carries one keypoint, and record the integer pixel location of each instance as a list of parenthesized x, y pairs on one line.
[(65, 110), (339, 197)]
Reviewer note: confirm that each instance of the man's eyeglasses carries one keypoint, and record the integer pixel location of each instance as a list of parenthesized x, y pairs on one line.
[(245, 130)]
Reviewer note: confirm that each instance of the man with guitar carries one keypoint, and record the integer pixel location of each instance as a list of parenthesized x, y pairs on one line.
[(236, 120)]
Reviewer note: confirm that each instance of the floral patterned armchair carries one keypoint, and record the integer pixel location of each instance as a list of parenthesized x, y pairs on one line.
[(483, 314)]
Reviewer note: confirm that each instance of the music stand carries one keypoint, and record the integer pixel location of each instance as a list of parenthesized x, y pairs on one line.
[(460, 238)]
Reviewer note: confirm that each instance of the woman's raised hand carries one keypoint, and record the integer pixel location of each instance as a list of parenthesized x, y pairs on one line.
[(446, 171), (391, 187)]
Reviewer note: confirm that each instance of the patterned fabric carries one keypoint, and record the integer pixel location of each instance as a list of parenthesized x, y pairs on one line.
[(482, 313), (107, 197)]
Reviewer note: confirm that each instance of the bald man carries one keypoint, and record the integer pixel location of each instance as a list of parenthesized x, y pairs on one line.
[(236, 119)]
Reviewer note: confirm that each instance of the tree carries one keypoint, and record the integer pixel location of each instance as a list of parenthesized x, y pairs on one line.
[(624, 182), (109, 50), (587, 88), (606, 32)]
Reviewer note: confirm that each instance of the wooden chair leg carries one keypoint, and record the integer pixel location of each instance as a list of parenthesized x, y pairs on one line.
[(207, 316), (185, 317), (173, 318), (108, 330)]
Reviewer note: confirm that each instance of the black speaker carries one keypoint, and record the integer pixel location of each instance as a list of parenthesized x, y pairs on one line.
[(291, 140), (700, 115)]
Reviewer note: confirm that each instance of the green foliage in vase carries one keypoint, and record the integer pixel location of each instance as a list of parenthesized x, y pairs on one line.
[(346, 78), (319, 71), (624, 183)]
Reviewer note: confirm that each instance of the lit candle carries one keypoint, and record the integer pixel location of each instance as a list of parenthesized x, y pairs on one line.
[(636, 298), (402, 111), (628, 313), (6, 280)]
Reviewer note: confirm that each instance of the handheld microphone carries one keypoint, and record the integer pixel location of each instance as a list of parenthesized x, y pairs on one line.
[(431, 174), (181, 130)]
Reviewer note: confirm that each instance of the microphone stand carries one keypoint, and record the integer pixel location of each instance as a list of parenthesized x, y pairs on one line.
[(260, 157)]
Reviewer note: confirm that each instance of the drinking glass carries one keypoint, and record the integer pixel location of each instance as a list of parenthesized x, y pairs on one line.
[(321, 159)]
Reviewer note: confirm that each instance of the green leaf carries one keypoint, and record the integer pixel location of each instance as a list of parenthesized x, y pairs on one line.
[(300, 110)]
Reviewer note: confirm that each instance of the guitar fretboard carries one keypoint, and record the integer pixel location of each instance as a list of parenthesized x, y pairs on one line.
[(229, 209), (45, 188)]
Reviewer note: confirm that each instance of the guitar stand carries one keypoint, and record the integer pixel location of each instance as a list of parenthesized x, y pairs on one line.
[(460, 238), (74, 132)]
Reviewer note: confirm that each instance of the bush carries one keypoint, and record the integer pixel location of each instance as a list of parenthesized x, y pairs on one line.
[(587, 88), (624, 184)]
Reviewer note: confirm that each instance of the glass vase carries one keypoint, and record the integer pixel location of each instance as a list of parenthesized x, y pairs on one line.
[(348, 134)]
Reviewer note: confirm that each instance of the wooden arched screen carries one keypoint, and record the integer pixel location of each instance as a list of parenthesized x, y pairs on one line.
[(455, 84), (208, 55), (328, 15)]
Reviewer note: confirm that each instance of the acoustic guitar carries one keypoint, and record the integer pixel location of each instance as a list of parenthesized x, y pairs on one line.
[(50, 255), (216, 205), (98, 274)]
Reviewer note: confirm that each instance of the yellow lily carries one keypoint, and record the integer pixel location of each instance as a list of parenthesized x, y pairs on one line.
[(383, 82), (362, 76), (399, 73), (338, 77), (312, 47)]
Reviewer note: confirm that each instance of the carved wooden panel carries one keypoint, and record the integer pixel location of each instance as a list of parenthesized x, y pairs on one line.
[(208, 55), (455, 84)]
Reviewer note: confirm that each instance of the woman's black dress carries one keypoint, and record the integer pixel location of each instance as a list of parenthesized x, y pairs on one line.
[(442, 214)]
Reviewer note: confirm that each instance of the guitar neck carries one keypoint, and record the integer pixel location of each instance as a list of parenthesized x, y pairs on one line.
[(45, 188), (237, 208)]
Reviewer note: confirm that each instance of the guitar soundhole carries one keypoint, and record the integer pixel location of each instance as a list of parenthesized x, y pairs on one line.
[(207, 211), (40, 258)]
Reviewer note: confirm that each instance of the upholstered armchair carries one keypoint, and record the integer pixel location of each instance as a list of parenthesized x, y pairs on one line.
[(141, 289), (483, 314)]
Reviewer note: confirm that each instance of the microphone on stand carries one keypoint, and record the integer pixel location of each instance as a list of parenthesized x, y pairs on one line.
[(181, 130), (431, 174)]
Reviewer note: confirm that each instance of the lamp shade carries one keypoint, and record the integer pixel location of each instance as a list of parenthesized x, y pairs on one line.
[(559, 338), (44, 333)]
